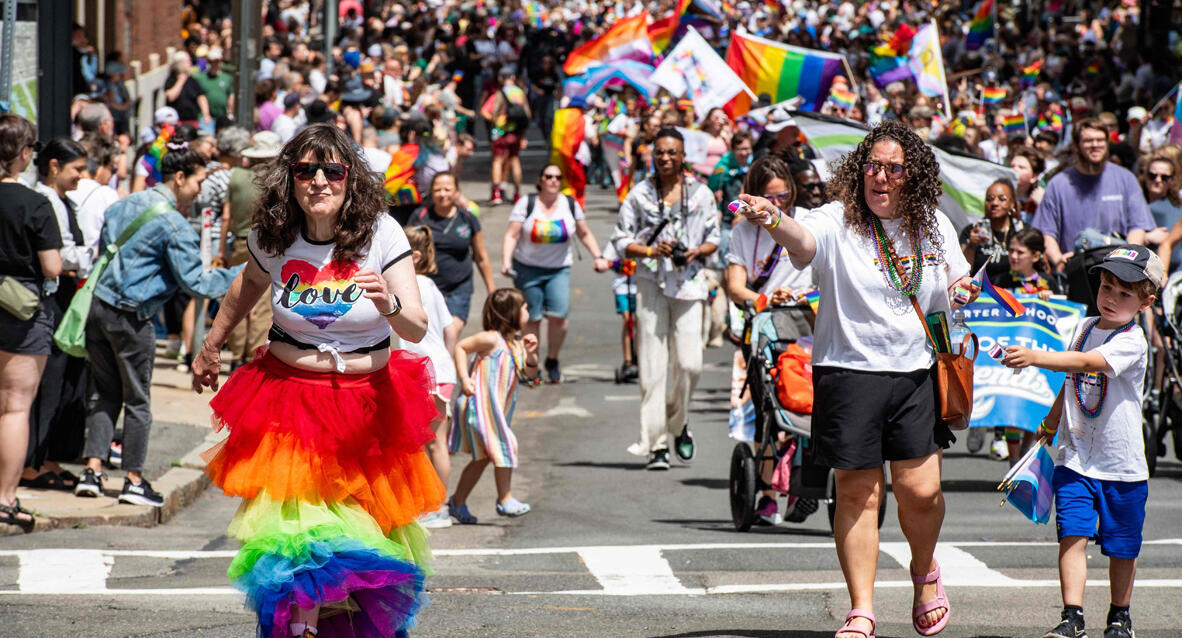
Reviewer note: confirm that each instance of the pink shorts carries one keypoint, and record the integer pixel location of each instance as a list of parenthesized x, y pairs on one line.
[(443, 393)]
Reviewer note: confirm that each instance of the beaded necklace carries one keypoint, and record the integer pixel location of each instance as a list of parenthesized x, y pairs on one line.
[(888, 261), (1077, 377)]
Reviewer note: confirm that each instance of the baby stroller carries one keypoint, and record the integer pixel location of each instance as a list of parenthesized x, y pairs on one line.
[(1168, 410), (766, 336)]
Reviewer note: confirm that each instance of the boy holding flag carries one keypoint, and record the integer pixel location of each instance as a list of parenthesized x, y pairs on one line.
[(1101, 478)]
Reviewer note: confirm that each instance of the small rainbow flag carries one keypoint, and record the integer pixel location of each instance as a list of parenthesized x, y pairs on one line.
[(155, 152), (842, 98), (1014, 123), (1093, 68), (1030, 73), (981, 26), (1004, 298), (781, 71), (1054, 122), (993, 95), (813, 297), (400, 176)]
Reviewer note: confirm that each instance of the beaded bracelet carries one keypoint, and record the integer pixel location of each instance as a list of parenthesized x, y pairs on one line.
[(1043, 427), (779, 218)]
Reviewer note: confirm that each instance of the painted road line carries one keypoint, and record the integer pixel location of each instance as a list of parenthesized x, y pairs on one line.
[(632, 571), (53, 571), (621, 397), (957, 567)]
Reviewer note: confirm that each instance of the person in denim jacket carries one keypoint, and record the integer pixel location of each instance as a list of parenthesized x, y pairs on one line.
[(160, 258)]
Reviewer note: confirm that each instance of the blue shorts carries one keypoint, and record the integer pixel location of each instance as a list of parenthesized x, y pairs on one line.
[(625, 303), (546, 290), (1118, 507), (459, 301)]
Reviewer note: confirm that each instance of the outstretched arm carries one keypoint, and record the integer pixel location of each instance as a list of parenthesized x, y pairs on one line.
[(787, 232)]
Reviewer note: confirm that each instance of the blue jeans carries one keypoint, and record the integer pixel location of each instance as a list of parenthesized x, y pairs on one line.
[(546, 290)]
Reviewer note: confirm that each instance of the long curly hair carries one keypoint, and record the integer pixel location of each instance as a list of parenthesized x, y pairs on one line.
[(279, 219), (919, 192)]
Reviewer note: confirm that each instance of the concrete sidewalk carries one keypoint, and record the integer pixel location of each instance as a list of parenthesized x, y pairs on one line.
[(181, 430)]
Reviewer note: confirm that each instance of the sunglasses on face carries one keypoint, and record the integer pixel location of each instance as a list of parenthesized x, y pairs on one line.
[(549, 176), (333, 171), (664, 152), (778, 197), (997, 198), (1160, 176), (891, 170)]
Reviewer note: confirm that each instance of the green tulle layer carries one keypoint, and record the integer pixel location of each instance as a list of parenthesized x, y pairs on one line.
[(291, 528)]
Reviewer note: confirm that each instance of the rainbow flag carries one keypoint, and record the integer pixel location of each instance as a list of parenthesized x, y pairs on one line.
[(626, 40), (1030, 73), (565, 138), (981, 26), (535, 13), (1054, 122), (842, 98), (887, 66), (993, 95), (1093, 68), (1004, 298), (813, 297), (661, 32), (155, 152), (1013, 123), (400, 176), (781, 71)]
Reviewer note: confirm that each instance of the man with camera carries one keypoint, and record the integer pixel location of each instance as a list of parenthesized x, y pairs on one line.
[(669, 225)]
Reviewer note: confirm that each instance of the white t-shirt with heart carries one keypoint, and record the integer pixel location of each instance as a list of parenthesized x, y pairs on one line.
[(314, 298)]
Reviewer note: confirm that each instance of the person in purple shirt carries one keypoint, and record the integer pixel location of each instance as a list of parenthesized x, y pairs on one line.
[(1091, 194), (265, 92)]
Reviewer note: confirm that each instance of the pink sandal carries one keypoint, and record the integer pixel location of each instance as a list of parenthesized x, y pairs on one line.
[(939, 602), (849, 627)]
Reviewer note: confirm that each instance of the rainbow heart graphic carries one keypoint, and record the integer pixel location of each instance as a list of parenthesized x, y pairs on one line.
[(319, 295)]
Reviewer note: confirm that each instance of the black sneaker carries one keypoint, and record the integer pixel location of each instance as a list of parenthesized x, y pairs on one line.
[(140, 494), (658, 460), (90, 484), (553, 374), (800, 510), (1120, 626), (684, 445), (1070, 627)]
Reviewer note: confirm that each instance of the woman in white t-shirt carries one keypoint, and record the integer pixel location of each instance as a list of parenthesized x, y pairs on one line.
[(880, 243), (327, 428), (757, 265), (537, 253)]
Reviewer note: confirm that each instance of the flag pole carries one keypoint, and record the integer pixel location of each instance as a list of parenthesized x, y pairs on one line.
[(943, 75)]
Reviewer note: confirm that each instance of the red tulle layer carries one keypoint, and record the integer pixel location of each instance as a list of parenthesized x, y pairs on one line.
[(327, 437)]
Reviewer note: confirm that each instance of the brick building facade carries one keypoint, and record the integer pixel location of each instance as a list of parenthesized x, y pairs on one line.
[(138, 28)]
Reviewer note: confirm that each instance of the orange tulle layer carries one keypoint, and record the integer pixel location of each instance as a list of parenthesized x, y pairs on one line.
[(327, 437)]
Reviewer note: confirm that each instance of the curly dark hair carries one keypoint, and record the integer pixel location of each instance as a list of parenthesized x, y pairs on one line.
[(279, 219), (920, 190)]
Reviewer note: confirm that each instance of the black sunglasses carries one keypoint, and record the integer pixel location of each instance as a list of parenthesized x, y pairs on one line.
[(333, 171), (1162, 176), (550, 176)]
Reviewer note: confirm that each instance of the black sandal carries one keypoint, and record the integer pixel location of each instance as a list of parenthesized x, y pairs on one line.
[(11, 515), (46, 481)]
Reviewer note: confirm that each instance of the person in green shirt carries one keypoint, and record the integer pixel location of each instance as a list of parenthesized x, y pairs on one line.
[(726, 182), (217, 85)]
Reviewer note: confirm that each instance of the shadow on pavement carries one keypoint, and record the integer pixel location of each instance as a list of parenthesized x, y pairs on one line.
[(638, 464), (708, 483), (725, 525)]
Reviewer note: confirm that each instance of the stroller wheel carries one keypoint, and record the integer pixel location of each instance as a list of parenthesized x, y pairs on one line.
[(1151, 443), (742, 487)]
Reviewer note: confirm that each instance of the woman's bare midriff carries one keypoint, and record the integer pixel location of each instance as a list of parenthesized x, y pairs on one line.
[(316, 361)]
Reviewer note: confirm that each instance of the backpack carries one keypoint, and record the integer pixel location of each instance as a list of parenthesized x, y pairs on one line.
[(516, 118)]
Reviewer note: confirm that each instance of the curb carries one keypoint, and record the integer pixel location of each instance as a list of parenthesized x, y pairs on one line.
[(180, 486)]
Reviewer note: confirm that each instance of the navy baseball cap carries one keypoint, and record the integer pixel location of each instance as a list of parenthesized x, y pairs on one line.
[(1132, 263)]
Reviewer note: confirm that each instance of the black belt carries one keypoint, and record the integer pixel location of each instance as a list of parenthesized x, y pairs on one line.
[(278, 334)]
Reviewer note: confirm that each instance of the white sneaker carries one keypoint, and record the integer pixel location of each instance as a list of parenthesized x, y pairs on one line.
[(438, 519), (999, 451)]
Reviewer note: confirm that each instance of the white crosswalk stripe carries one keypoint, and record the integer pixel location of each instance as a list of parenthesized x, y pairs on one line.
[(620, 570)]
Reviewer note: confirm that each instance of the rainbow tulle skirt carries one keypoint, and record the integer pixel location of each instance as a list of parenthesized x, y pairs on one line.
[(332, 473)]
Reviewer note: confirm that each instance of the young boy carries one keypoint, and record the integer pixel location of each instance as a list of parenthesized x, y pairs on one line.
[(624, 290), (1101, 479)]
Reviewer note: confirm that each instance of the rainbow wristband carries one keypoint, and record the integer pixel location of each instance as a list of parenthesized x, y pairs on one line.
[(779, 217)]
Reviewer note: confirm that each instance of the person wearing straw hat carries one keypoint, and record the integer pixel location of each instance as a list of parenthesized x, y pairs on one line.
[(242, 198)]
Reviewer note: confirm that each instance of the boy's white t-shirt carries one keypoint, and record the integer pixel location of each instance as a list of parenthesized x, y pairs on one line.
[(314, 298), (432, 346), (545, 242), (862, 322), (754, 249), (1109, 447)]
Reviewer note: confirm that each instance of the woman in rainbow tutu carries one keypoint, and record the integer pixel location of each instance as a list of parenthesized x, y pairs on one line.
[(327, 427)]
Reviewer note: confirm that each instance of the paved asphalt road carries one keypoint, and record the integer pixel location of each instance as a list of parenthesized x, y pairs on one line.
[(609, 548)]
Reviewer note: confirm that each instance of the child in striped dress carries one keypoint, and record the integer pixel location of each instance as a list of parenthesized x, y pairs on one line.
[(484, 410)]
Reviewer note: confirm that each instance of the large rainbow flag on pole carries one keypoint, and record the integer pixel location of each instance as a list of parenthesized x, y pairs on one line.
[(565, 138), (981, 26), (627, 40), (781, 71), (400, 176)]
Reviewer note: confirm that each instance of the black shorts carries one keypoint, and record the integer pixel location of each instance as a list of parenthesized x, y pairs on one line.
[(32, 336), (863, 419)]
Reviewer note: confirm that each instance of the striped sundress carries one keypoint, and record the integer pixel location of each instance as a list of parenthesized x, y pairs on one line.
[(480, 423)]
